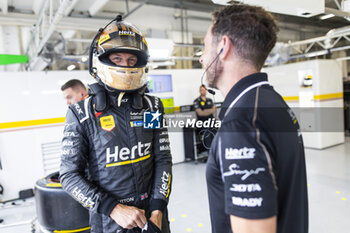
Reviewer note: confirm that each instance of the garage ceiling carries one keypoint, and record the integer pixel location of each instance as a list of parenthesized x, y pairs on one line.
[(171, 19)]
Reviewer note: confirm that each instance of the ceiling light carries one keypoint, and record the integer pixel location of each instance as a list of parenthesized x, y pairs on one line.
[(84, 59), (71, 67), (323, 17)]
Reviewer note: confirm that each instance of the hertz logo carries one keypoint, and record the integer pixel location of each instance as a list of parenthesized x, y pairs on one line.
[(124, 155), (126, 33)]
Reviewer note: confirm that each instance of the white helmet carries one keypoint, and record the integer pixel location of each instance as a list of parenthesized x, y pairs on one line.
[(122, 37)]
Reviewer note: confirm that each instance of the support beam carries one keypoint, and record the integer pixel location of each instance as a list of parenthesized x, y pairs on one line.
[(37, 6), (337, 12), (135, 9)]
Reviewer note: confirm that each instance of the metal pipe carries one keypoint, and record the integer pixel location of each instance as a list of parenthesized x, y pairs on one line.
[(38, 22), (127, 6), (336, 12), (58, 16)]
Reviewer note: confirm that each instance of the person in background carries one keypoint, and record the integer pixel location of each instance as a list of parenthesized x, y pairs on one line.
[(74, 91), (205, 110), (203, 105), (128, 183), (256, 172)]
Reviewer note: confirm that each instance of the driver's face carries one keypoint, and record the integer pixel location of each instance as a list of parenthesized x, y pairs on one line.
[(123, 59)]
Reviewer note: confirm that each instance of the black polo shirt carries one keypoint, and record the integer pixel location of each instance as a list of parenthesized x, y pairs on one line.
[(256, 168), (203, 104)]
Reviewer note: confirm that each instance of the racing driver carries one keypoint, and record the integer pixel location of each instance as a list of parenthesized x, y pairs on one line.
[(110, 163)]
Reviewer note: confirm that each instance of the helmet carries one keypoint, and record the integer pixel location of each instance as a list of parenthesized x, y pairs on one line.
[(122, 37)]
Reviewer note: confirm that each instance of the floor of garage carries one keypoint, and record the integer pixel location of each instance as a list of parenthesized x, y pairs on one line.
[(329, 196)]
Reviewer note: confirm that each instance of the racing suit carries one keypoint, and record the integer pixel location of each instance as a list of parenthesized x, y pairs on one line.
[(109, 158)]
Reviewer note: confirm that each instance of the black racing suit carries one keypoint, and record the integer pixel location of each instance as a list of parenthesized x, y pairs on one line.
[(110, 158)]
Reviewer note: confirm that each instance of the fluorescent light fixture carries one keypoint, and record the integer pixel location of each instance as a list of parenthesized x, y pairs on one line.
[(71, 67), (160, 48), (84, 59), (323, 17)]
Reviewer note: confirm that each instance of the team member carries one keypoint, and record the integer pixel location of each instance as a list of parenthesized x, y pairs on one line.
[(256, 174), (74, 91), (204, 106), (205, 109), (129, 168)]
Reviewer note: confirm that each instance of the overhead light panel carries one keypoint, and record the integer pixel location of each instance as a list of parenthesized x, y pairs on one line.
[(323, 17)]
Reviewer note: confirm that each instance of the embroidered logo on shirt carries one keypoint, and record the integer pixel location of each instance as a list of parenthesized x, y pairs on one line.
[(107, 123), (242, 153)]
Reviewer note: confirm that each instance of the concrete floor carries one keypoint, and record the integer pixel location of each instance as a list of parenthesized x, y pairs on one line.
[(329, 196)]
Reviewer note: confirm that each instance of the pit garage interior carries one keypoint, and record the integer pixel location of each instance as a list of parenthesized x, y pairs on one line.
[(44, 43)]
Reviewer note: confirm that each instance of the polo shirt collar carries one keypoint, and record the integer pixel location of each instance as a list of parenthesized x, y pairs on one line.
[(240, 86)]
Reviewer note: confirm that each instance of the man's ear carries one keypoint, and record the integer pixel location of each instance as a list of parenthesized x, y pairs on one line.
[(225, 46)]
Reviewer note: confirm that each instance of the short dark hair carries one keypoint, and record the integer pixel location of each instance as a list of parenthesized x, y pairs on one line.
[(74, 84), (251, 29), (203, 86)]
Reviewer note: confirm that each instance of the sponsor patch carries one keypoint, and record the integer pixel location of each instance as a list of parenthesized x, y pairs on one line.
[(164, 189), (124, 155), (247, 202), (234, 170), (103, 38), (242, 153), (242, 188), (107, 123), (127, 200), (85, 201), (136, 123), (126, 33)]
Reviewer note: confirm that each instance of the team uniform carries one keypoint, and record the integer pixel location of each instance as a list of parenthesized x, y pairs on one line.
[(125, 163), (207, 104), (256, 168)]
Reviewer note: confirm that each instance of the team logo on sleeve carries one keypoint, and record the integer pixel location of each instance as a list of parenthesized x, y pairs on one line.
[(234, 169), (240, 153), (151, 120), (107, 123)]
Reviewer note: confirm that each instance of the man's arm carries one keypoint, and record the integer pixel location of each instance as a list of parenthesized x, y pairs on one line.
[(162, 174), (75, 149), (205, 112), (248, 177), (243, 225)]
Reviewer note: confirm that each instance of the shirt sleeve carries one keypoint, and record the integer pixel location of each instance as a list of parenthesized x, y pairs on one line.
[(163, 168), (247, 172), (73, 177)]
